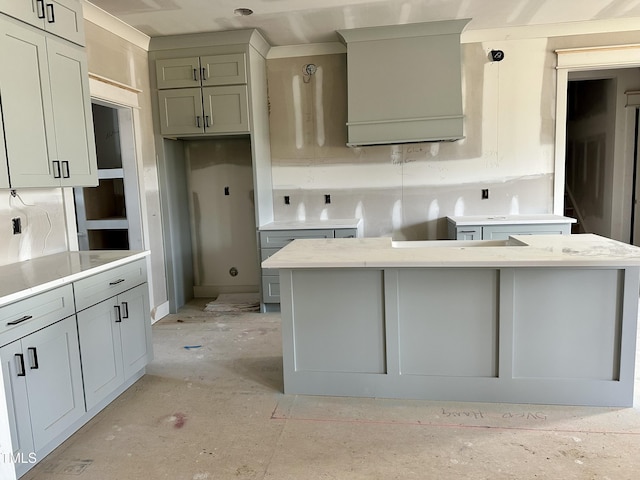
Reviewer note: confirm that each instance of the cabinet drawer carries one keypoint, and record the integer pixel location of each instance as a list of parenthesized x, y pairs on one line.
[(502, 232), (34, 313), (270, 289), (346, 232), (99, 287), (280, 238)]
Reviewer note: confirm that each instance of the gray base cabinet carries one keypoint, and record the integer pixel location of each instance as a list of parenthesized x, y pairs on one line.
[(33, 368), (494, 228), (556, 335), (66, 353), (273, 240)]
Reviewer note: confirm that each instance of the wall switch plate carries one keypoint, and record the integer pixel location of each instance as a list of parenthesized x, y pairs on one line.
[(485, 193), (16, 225)]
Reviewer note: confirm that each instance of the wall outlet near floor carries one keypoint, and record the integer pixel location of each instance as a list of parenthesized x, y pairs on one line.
[(16, 225)]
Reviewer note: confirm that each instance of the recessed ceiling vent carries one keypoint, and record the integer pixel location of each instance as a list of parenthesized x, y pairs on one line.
[(404, 83)]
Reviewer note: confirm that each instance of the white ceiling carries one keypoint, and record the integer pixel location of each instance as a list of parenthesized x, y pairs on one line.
[(293, 22)]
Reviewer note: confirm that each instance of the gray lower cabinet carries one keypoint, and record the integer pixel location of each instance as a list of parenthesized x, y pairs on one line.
[(113, 342), (273, 240), (66, 353), (33, 368), (502, 230)]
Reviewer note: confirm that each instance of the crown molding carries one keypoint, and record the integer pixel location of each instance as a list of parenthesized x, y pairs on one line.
[(99, 17)]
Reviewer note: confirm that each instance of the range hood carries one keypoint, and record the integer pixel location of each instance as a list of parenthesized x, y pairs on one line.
[(404, 83)]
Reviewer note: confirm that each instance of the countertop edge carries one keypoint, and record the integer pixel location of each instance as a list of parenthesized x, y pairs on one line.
[(59, 282)]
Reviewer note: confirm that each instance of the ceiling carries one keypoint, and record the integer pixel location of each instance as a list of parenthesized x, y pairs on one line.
[(293, 22)]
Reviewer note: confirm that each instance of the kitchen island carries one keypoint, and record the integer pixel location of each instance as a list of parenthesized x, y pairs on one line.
[(530, 319)]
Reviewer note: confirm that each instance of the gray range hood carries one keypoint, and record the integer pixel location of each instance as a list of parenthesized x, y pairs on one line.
[(404, 83)]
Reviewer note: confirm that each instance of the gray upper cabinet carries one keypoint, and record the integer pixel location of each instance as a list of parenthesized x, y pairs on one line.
[(59, 17), (203, 71), (203, 95), (44, 88)]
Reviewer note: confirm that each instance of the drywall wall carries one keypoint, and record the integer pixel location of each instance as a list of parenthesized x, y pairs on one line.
[(41, 214), (223, 228), (405, 191), (114, 58)]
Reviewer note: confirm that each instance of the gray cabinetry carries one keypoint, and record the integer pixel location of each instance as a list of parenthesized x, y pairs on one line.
[(33, 368), (60, 17), (65, 356), (113, 342), (203, 95), (273, 240), (500, 228), (44, 85)]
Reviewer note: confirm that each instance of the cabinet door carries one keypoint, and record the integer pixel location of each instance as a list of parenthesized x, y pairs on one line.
[(29, 11), (223, 69), (26, 105), (75, 143), (178, 72), (64, 19), (225, 109), (135, 328), (502, 232), (15, 393), (181, 111), (101, 352), (52, 363)]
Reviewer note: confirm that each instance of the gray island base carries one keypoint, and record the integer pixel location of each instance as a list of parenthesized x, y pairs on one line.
[(532, 319)]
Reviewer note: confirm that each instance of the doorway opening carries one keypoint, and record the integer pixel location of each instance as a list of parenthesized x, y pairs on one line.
[(108, 216)]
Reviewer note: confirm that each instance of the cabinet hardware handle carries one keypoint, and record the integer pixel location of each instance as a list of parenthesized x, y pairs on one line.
[(195, 74), (118, 313), (198, 121), (34, 357), (20, 365), (19, 320), (206, 121), (125, 310), (467, 231), (203, 75), (40, 8), (65, 169), (116, 282), (56, 169), (50, 18)]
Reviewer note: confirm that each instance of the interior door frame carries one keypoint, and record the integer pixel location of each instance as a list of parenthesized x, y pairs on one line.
[(575, 60)]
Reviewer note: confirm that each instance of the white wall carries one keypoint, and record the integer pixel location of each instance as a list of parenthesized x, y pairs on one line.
[(406, 190)]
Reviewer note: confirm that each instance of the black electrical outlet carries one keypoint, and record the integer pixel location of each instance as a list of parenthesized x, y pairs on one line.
[(226, 190), (327, 199), (485, 193), (286, 200), (16, 223)]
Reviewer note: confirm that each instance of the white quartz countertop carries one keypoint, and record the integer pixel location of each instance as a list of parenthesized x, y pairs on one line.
[(312, 224), (580, 250), (462, 221), (23, 279)]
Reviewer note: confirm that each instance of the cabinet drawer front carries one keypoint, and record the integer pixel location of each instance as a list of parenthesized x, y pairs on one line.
[(94, 289), (271, 289), (502, 232), (346, 232), (280, 238), (34, 313)]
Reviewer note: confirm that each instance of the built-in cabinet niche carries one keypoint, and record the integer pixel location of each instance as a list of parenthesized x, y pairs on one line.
[(212, 139), (108, 215)]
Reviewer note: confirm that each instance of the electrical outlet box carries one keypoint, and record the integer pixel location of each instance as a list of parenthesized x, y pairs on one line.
[(485, 193), (16, 224), (327, 199), (287, 200)]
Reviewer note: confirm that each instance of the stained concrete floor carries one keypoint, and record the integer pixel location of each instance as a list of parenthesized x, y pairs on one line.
[(218, 412)]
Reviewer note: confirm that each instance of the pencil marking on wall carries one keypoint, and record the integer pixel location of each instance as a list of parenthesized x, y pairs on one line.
[(297, 110), (320, 136)]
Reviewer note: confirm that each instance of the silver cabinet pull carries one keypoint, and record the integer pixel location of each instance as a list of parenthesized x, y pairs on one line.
[(20, 365), (51, 18), (33, 358), (56, 169), (65, 169), (203, 75), (118, 313), (125, 310), (195, 74), (40, 8)]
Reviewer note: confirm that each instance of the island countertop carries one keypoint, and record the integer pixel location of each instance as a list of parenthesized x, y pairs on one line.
[(579, 250)]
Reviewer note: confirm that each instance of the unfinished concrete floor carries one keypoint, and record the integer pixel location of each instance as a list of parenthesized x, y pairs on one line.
[(218, 412)]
